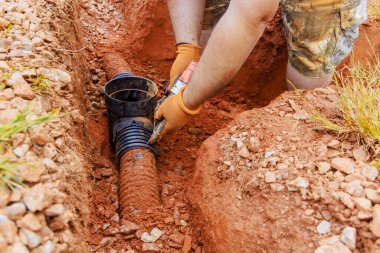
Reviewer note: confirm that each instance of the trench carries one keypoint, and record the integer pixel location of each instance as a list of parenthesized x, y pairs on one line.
[(140, 31)]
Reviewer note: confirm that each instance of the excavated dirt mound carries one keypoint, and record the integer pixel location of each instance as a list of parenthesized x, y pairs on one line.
[(272, 181)]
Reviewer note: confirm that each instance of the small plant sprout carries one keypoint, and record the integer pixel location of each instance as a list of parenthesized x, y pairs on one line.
[(42, 84)]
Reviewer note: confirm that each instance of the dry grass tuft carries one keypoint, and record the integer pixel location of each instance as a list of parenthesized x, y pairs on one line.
[(358, 88)]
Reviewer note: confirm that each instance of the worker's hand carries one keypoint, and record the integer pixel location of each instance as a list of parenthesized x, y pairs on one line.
[(175, 113), (185, 54)]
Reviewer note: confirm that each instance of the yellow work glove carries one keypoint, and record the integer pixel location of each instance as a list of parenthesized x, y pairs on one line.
[(185, 54), (175, 113)]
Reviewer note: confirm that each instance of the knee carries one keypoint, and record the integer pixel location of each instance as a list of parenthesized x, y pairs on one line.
[(254, 11)]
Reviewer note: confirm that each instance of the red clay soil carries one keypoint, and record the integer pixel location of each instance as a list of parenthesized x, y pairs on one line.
[(146, 41)]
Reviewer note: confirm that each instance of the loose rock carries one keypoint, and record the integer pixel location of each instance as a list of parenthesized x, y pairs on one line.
[(345, 165), (348, 237), (374, 226), (324, 227)]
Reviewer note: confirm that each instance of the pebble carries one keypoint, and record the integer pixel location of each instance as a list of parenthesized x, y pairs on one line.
[(370, 173), (21, 150), (146, 237), (55, 75), (323, 167), (253, 145), (373, 195), (37, 198), (32, 173), (346, 200), (39, 137), (17, 247), (324, 227), (354, 188), (360, 154), (345, 165), (47, 247), (20, 86), (270, 177), (374, 226), (128, 227), (348, 237), (5, 195), (299, 182), (8, 229), (3, 244), (363, 203), (15, 211), (334, 144), (150, 247), (55, 210), (156, 234), (244, 152), (29, 238), (29, 221), (7, 115)]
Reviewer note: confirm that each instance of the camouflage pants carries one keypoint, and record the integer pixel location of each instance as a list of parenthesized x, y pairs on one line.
[(320, 33)]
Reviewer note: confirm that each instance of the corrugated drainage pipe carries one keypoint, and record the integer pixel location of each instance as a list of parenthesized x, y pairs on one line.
[(130, 103)]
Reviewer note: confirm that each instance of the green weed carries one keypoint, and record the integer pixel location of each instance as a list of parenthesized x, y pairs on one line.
[(42, 84), (9, 173), (23, 121)]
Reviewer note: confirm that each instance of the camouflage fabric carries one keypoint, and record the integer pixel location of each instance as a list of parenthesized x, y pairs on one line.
[(320, 33)]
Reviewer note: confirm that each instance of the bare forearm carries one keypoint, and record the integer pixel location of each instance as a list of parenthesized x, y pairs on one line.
[(229, 46), (186, 17)]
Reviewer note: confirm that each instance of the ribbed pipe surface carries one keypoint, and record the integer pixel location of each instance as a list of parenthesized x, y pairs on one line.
[(138, 182)]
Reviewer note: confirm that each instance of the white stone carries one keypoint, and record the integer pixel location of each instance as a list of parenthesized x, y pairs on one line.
[(324, 227), (374, 226), (299, 182), (370, 172), (150, 247), (146, 237), (17, 247), (354, 188), (270, 177), (55, 210), (29, 238), (346, 200), (20, 86), (7, 229), (32, 173), (7, 115), (37, 198), (373, 195), (334, 144), (365, 215), (55, 75), (254, 145), (47, 247), (244, 152), (348, 237), (15, 211), (21, 150), (345, 165), (156, 234), (363, 203), (5, 195), (29, 221), (323, 167), (360, 154)]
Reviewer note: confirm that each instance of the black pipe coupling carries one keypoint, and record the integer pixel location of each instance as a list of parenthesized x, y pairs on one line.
[(130, 102)]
